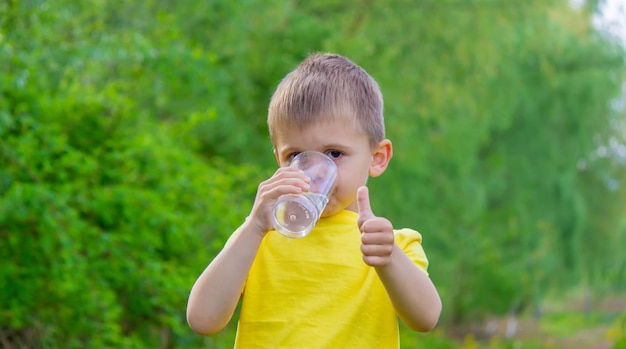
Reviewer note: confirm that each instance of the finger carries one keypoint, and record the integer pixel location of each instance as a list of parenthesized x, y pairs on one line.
[(285, 177), (376, 261), (376, 250), (377, 238), (363, 205), (284, 172)]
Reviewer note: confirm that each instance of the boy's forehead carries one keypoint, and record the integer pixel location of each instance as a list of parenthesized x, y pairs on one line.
[(344, 122), (335, 132)]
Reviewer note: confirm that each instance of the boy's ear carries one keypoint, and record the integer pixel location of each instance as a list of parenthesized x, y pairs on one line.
[(276, 155), (381, 154)]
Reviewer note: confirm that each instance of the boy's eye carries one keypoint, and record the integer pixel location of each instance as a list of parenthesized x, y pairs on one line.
[(334, 154), (291, 156)]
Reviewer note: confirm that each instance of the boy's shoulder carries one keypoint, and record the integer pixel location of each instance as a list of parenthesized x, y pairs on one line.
[(407, 234), (410, 241)]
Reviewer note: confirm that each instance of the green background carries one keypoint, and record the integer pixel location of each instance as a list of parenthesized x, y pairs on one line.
[(133, 137)]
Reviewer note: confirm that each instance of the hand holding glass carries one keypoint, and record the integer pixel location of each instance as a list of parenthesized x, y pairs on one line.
[(296, 214)]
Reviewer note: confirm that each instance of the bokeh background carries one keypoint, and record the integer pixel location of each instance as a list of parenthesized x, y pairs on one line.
[(133, 137)]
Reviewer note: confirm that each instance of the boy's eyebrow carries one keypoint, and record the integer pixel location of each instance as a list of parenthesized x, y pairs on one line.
[(286, 149), (289, 149), (336, 145)]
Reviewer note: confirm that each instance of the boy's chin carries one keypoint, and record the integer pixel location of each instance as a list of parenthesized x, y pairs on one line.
[(332, 209), (328, 213)]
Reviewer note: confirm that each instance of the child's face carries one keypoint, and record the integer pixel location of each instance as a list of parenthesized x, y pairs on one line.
[(341, 141)]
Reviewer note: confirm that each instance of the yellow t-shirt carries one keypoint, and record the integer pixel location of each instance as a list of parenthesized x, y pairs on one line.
[(316, 292)]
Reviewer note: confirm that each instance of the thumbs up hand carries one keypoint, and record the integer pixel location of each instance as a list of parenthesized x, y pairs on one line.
[(377, 239)]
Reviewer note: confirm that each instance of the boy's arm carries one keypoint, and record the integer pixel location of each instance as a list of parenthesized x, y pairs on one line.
[(216, 292), (411, 291)]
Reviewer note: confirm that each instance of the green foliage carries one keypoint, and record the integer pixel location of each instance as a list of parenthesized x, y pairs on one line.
[(495, 125), (133, 137), (115, 237), (106, 217)]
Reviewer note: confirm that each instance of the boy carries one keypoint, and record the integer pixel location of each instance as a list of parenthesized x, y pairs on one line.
[(345, 284)]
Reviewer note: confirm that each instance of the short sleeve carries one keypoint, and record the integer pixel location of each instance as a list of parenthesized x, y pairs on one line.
[(410, 241)]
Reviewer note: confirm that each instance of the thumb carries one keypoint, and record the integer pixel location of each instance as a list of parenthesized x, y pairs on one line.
[(363, 205)]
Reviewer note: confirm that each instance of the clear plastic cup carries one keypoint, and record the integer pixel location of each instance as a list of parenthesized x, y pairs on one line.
[(296, 214)]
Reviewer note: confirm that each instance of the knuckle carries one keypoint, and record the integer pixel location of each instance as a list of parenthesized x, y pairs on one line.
[(365, 250), (364, 237)]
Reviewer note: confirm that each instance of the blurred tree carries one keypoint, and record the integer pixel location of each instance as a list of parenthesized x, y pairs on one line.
[(493, 107), (133, 136), (106, 215)]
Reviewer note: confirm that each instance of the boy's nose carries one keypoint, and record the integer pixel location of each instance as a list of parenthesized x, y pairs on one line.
[(317, 182)]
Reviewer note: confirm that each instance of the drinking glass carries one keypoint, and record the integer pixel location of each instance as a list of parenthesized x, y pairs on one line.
[(296, 214)]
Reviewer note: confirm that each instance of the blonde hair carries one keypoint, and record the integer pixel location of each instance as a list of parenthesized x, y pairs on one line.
[(326, 87)]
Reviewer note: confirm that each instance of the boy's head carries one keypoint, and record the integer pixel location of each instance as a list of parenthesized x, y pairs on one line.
[(327, 87)]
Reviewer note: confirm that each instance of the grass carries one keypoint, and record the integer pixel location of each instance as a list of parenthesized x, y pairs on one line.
[(566, 323)]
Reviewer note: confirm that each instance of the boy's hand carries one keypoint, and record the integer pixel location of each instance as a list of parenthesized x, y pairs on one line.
[(377, 239), (286, 180)]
